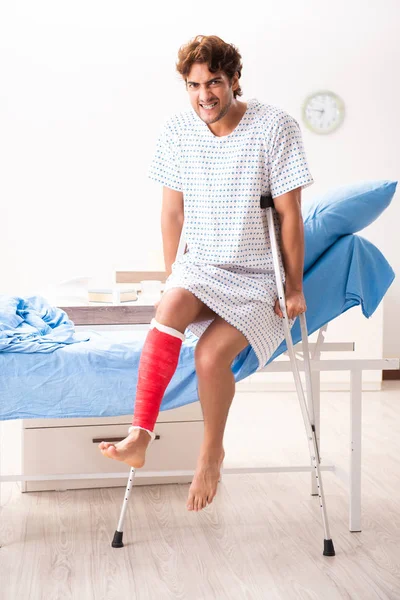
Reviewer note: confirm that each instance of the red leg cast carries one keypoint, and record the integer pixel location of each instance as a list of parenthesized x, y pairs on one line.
[(158, 362)]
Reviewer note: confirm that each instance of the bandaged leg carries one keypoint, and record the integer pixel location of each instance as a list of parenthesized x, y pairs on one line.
[(158, 362)]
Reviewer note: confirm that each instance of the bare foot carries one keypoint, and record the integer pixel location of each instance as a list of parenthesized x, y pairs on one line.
[(131, 450), (204, 485)]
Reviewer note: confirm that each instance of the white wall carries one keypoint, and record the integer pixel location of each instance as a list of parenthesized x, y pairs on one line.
[(86, 85)]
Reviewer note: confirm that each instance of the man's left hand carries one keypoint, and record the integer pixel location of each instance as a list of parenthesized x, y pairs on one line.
[(295, 305)]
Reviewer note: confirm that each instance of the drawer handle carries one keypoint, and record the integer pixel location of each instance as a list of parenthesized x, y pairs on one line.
[(113, 439)]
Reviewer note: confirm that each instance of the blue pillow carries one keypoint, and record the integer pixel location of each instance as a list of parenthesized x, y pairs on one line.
[(341, 211)]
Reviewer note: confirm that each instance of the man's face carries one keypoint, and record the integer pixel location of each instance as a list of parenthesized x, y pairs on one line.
[(211, 94)]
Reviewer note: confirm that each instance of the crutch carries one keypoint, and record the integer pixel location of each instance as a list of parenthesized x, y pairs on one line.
[(309, 423), (119, 532), (117, 539)]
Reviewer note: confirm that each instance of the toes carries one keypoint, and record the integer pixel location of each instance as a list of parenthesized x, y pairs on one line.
[(104, 445), (109, 450), (197, 503)]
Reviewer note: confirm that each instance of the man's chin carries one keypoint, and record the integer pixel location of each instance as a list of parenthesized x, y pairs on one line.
[(209, 119)]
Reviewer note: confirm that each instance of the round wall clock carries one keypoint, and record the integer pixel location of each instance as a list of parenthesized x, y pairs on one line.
[(323, 112)]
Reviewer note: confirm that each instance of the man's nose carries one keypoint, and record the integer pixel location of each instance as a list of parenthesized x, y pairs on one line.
[(205, 95)]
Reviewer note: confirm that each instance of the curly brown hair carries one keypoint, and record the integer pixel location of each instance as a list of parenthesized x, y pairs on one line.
[(217, 54)]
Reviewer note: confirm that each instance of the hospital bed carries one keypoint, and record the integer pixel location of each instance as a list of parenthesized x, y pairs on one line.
[(63, 374)]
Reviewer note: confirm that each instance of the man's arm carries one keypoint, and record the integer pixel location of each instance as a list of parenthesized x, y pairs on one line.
[(172, 217), (288, 207)]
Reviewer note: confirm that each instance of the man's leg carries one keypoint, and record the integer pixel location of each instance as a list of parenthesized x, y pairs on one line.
[(158, 362), (214, 353)]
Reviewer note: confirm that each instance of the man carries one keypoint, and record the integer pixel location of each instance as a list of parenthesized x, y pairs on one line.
[(215, 161)]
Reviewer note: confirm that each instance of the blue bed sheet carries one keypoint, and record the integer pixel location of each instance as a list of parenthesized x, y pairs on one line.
[(63, 376)]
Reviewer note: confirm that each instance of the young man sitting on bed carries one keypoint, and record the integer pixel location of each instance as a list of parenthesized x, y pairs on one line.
[(216, 160)]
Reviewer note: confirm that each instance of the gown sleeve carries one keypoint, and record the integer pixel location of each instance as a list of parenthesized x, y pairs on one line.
[(165, 165), (288, 166)]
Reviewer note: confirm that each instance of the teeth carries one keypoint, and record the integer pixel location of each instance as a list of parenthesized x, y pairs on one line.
[(208, 106)]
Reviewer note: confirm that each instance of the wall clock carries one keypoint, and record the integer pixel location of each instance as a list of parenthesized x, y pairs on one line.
[(323, 112)]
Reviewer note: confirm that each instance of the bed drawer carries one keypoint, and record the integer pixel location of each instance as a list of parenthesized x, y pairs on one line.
[(63, 450)]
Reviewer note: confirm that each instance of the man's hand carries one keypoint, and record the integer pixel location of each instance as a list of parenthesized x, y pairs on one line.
[(295, 305)]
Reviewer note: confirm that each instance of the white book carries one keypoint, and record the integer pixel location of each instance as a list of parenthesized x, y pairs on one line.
[(114, 294)]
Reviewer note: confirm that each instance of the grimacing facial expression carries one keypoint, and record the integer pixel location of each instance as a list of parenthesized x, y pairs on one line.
[(211, 94)]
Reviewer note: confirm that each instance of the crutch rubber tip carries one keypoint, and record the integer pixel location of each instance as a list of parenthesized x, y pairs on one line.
[(329, 550), (117, 541)]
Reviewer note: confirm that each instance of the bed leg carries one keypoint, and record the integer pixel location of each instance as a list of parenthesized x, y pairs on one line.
[(355, 451), (117, 539)]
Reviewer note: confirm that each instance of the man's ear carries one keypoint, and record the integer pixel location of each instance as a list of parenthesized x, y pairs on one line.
[(235, 82)]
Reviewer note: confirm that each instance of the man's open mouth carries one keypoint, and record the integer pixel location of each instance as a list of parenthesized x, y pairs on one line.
[(209, 106)]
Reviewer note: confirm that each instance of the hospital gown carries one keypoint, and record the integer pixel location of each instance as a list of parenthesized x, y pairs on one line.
[(228, 264)]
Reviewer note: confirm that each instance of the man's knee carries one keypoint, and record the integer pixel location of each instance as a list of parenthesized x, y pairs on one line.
[(218, 347), (209, 357), (178, 308)]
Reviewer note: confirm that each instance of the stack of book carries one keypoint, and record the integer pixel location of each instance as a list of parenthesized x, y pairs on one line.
[(113, 294)]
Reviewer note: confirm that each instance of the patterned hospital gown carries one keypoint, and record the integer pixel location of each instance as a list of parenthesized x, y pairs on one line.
[(228, 264)]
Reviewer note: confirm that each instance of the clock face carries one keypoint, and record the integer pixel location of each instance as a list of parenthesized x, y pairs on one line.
[(323, 112)]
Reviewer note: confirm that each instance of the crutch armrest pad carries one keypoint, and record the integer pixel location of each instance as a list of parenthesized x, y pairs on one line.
[(266, 202)]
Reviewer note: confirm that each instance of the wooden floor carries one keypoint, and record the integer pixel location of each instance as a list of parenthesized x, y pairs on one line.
[(262, 537)]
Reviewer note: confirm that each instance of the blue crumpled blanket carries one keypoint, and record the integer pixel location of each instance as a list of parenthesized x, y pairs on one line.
[(31, 325)]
